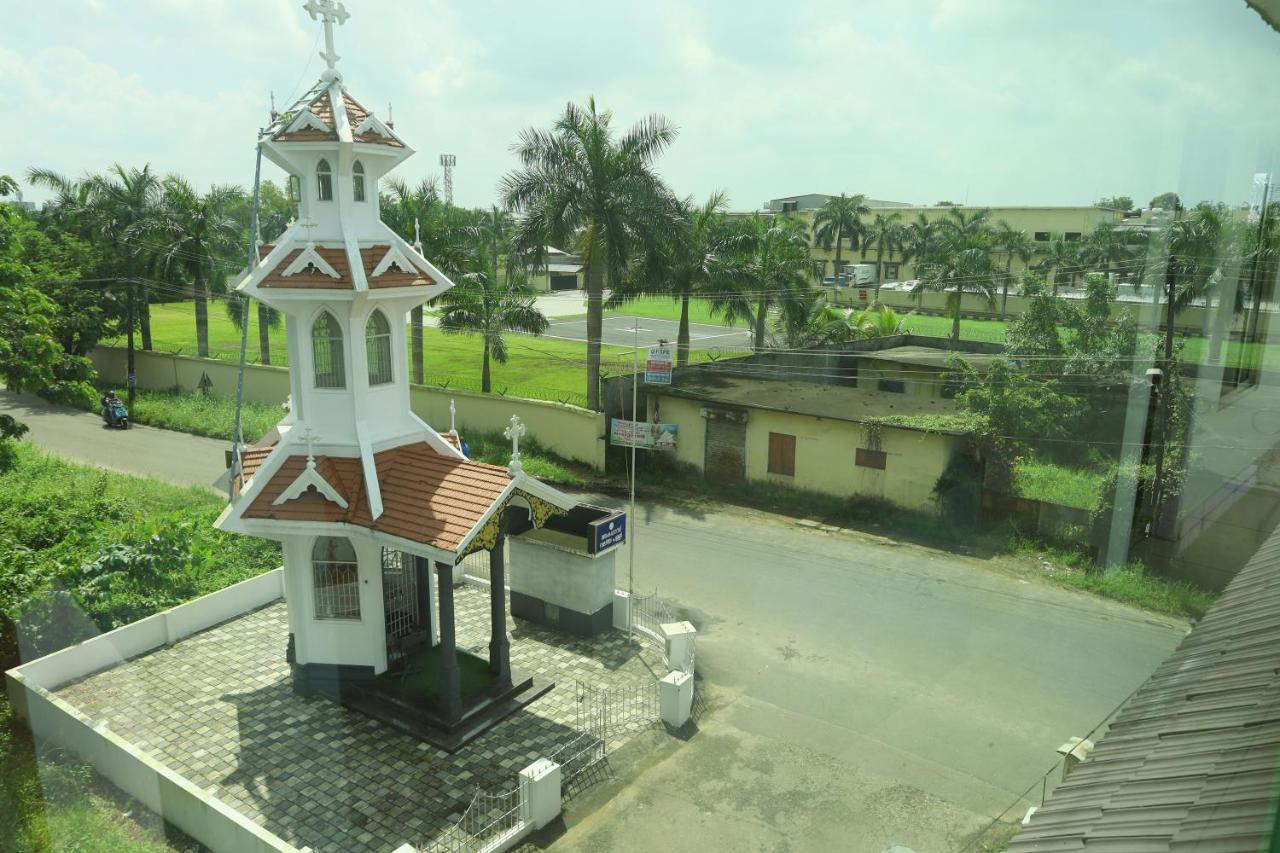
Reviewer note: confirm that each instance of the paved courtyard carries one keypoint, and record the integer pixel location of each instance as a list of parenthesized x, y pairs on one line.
[(218, 709)]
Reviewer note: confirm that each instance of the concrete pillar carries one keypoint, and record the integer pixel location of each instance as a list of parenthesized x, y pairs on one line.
[(680, 639), (675, 698), (450, 679), (541, 784), (499, 645), (622, 610), (422, 577)]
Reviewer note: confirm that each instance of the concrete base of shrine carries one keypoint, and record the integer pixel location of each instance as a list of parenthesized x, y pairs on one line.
[(556, 583)]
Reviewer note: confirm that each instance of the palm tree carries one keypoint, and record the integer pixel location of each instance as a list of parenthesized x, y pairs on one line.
[(8, 186), (482, 305), (962, 266), (1063, 258), (884, 234), (920, 242), (1106, 246), (1012, 243), (685, 265), (122, 205), (493, 230), (196, 237), (766, 266), (880, 322), (840, 218), (809, 320), (1198, 245), (578, 184)]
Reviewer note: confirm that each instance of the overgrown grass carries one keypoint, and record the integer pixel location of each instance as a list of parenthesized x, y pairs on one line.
[(494, 448), (83, 551), (210, 415), (1134, 584), (1058, 484)]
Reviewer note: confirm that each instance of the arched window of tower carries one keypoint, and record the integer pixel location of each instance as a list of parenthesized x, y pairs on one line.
[(326, 351), (324, 181), (357, 181), (377, 336)]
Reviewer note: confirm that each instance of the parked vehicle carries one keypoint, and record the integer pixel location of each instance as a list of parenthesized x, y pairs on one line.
[(114, 413)]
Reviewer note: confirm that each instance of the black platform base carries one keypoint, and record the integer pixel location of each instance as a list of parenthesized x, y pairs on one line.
[(360, 690)]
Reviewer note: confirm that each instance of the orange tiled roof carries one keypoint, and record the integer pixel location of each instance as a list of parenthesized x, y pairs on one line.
[(322, 108), (370, 257), (426, 497)]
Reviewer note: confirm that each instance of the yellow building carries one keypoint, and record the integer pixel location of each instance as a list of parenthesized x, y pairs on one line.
[(818, 437)]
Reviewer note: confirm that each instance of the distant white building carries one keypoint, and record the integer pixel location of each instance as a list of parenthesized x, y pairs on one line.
[(813, 201)]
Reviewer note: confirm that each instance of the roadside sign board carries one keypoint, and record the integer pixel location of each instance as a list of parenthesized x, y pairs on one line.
[(609, 532), (642, 434), (657, 365)]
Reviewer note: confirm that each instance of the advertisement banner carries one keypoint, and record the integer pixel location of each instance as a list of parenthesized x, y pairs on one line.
[(657, 365), (642, 434)]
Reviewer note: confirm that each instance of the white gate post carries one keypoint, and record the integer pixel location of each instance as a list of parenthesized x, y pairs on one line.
[(675, 697), (622, 610), (680, 638), (540, 785)]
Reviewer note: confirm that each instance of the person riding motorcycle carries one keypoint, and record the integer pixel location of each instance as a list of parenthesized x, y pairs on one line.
[(112, 408)]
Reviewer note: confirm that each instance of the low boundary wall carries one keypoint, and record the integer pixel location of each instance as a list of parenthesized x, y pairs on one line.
[(569, 431), (52, 720)]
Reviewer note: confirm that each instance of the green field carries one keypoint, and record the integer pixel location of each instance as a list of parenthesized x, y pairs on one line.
[(540, 368)]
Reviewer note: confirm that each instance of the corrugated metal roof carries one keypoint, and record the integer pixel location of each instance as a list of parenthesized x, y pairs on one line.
[(1192, 761)]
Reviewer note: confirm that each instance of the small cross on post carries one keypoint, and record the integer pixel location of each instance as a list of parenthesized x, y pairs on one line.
[(309, 436), (514, 432), (307, 225), (330, 12)]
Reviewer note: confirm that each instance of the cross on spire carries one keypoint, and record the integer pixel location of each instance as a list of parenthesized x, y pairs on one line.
[(514, 432), (330, 12)]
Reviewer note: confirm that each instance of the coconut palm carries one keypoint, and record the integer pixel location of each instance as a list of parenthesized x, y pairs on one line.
[(884, 235), (581, 185), (963, 227), (1107, 247), (493, 230), (921, 239), (963, 265), (1198, 245), (8, 186), (766, 267), (880, 322), (1063, 258), (1012, 243), (482, 303), (685, 266), (840, 219), (196, 237), (122, 205), (810, 320)]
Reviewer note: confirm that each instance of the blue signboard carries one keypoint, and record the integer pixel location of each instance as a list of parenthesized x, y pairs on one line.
[(609, 532)]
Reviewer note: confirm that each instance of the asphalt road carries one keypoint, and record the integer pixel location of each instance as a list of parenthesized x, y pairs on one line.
[(861, 692), (623, 331)]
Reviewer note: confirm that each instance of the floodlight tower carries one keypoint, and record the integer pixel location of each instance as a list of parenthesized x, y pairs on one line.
[(448, 161)]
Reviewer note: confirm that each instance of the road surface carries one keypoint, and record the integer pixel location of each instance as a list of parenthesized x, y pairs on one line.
[(862, 693)]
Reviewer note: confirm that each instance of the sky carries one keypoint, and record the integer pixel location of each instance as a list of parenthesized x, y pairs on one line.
[(984, 102)]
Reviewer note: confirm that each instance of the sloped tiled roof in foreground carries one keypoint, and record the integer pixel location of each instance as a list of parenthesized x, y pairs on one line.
[(1192, 762)]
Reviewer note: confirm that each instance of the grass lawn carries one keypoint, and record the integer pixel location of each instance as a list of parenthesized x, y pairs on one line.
[(661, 308), (422, 680), (539, 368)]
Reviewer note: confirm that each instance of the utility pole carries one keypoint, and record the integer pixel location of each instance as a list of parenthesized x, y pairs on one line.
[(631, 534), (448, 161), (131, 378)]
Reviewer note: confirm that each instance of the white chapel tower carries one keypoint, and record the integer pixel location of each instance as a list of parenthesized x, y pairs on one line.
[(372, 506)]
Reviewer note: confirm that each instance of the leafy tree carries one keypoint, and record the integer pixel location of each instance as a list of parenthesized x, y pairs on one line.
[(840, 219), (1122, 203), (1167, 201), (884, 234), (580, 185), (1012, 243), (1198, 245), (481, 304), (30, 357), (198, 240), (686, 265), (276, 209), (766, 266), (11, 430), (8, 186)]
